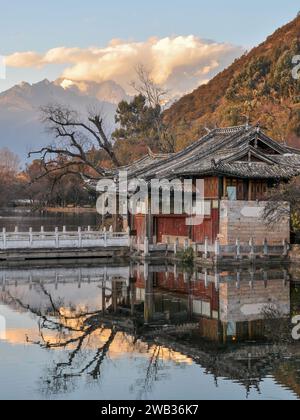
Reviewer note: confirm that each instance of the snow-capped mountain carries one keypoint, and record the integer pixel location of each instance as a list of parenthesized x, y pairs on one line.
[(108, 91), (20, 126)]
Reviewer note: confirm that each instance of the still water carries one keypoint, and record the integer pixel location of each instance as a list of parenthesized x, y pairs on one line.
[(148, 332), (25, 219)]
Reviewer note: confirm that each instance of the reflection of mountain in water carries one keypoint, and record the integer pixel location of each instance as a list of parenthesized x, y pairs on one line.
[(235, 325)]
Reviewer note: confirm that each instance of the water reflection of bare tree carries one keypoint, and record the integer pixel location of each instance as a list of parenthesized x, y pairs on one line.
[(85, 338), (78, 332), (277, 326), (71, 330), (155, 370)]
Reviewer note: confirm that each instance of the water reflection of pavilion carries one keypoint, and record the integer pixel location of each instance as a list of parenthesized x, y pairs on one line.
[(220, 305), (233, 324), (225, 306)]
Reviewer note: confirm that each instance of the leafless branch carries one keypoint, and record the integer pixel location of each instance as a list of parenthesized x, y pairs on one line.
[(74, 141), (282, 200), (145, 86)]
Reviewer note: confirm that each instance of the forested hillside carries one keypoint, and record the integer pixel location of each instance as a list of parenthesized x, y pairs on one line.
[(258, 86)]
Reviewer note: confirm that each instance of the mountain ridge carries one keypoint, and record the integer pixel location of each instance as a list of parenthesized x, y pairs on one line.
[(21, 128), (258, 86)]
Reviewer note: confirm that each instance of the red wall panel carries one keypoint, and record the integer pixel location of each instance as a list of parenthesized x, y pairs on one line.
[(140, 226), (171, 225)]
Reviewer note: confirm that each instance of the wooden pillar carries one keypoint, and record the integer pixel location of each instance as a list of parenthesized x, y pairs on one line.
[(250, 190), (132, 295), (206, 248), (238, 279), (224, 186), (149, 299), (115, 295), (238, 249), (149, 222), (190, 300), (285, 248), (266, 248)]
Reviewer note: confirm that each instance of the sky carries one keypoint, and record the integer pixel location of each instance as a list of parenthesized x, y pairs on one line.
[(99, 40)]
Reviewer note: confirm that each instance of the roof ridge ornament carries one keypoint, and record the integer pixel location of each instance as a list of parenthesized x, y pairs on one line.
[(247, 126), (214, 163), (230, 130), (150, 153)]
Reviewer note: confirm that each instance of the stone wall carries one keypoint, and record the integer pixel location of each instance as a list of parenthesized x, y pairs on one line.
[(244, 219), (247, 303)]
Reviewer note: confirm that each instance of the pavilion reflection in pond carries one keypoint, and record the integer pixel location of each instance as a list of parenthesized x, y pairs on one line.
[(226, 306), (219, 306), (200, 316)]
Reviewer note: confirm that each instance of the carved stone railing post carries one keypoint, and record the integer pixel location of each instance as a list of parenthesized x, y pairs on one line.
[(129, 238), (146, 247), (285, 248), (176, 246), (105, 237), (56, 238), (79, 237), (30, 238), (4, 238), (186, 244), (217, 280), (206, 277), (195, 249), (252, 249), (138, 243), (217, 248)]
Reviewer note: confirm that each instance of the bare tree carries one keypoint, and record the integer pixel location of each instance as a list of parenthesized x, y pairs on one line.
[(75, 140), (74, 329), (145, 86), (10, 184), (9, 162), (282, 200), (157, 98)]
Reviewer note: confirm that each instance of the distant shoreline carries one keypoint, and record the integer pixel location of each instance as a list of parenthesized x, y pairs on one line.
[(70, 210)]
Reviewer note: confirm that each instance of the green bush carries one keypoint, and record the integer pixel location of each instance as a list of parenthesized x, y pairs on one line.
[(187, 257)]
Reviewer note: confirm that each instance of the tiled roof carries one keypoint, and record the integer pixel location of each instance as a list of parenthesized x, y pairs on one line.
[(225, 152)]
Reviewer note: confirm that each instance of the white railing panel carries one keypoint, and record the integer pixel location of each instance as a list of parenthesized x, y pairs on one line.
[(63, 240)]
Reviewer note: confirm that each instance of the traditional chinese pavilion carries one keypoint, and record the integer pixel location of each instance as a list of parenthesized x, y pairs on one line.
[(238, 165)]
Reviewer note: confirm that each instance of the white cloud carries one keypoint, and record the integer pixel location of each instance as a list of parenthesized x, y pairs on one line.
[(179, 63)]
